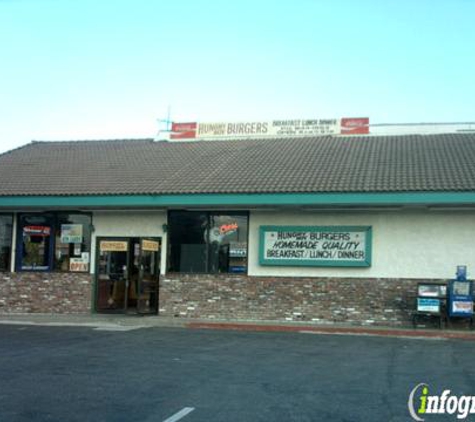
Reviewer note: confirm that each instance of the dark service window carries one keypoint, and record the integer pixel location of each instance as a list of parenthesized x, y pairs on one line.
[(207, 242)]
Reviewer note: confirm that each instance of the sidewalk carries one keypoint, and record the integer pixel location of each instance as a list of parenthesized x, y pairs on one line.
[(134, 321)]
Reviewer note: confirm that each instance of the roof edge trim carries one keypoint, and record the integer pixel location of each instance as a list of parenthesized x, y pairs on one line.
[(264, 199)]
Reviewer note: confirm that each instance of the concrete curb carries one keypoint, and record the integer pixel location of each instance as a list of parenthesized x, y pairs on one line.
[(311, 329), (123, 323)]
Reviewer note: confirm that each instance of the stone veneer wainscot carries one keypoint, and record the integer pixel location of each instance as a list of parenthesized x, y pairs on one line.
[(334, 300), (59, 293)]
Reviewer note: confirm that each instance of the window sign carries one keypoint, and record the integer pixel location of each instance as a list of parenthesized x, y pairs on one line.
[(40, 231), (337, 246), (113, 246), (227, 229), (78, 265), (237, 250), (71, 233), (150, 245), (77, 249)]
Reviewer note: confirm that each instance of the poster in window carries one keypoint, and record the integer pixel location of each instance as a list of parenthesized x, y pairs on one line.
[(78, 265), (150, 245), (237, 250), (77, 249), (113, 246), (71, 233), (42, 231)]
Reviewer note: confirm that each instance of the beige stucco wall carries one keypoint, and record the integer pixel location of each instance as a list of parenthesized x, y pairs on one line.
[(406, 244), (129, 224)]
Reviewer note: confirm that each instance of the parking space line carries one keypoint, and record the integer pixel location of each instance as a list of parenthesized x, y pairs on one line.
[(181, 414)]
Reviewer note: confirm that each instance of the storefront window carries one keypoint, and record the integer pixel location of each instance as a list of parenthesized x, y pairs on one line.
[(35, 242), (72, 242), (188, 245), (6, 225), (204, 242), (54, 241)]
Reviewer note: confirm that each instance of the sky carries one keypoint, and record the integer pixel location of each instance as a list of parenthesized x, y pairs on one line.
[(108, 69)]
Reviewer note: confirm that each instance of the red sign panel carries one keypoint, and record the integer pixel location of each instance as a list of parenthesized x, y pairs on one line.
[(37, 230), (183, 130), (355, 125)]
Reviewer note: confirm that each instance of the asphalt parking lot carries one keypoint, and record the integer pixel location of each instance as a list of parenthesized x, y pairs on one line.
[(159, 374)]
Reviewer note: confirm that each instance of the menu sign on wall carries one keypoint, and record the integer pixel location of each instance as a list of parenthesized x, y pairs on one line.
[(336, 246)]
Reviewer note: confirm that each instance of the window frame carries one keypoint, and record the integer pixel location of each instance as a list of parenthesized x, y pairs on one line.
[(8, 267)]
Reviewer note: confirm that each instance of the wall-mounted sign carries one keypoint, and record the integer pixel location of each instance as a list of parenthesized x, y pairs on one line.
[(113, 246), (150, 245), (71, 233), (337, 246), (270, 128)]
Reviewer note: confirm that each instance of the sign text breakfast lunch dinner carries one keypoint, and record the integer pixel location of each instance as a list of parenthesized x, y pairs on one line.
[(345, 246)]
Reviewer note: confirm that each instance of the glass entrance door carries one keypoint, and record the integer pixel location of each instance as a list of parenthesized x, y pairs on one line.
[(112, 275), (149, 271), (128, 271)]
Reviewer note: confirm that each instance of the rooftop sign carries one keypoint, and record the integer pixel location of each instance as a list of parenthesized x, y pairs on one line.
[(270, 129)]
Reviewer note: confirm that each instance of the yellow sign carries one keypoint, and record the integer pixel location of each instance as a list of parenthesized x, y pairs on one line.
[(150, 245), (113, 246)]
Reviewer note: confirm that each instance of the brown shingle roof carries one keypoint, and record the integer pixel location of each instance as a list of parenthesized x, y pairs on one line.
[(321, 164)]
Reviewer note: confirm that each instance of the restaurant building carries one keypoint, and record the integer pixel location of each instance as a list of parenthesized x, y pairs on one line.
[(292, 227)]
